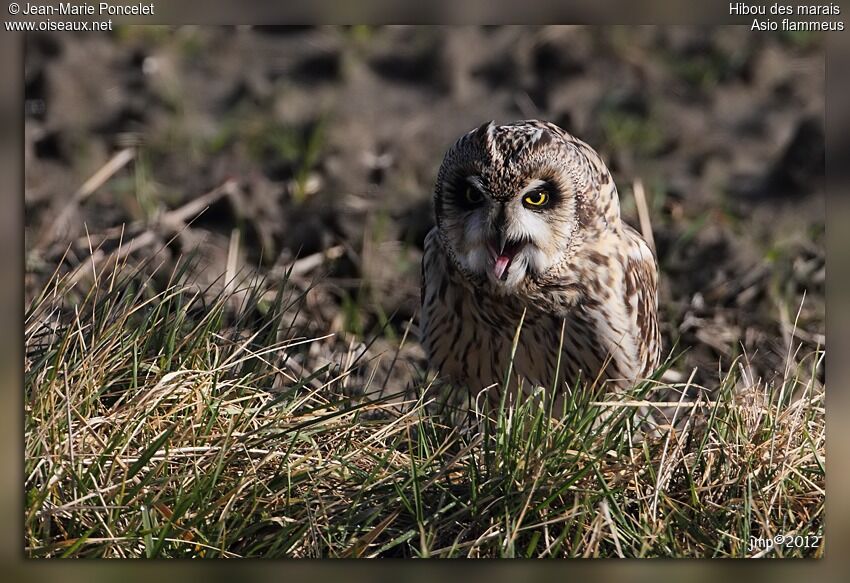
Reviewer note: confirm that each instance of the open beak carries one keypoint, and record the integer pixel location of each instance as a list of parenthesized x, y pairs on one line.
[(503, 252)]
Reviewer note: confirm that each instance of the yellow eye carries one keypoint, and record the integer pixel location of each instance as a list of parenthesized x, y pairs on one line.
[(537, 199), (472, 195)]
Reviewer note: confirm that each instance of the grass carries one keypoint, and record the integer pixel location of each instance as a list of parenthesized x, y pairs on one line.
[(166, 421)]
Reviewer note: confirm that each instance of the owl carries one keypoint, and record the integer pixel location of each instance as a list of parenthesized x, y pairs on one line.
[(529, 244)]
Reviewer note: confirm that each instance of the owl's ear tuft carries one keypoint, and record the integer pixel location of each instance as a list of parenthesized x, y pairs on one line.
[(480, 133), (545, 138)]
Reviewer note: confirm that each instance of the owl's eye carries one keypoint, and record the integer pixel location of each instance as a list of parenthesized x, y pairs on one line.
[(536, 199), (471, 195)]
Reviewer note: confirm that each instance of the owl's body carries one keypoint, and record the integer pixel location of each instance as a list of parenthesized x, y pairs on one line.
[(528, 229)]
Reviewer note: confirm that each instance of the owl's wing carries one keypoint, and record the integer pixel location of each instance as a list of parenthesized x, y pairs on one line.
[(641, 280), (433, 266), (434, 279)]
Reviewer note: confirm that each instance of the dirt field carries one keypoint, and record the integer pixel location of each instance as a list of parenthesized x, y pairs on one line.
[(328, 141)]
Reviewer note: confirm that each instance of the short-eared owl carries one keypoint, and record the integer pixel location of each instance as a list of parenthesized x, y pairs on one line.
[(528, 225)]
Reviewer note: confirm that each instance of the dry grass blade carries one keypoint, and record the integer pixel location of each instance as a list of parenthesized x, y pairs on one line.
[(643, 214), (54, 230)]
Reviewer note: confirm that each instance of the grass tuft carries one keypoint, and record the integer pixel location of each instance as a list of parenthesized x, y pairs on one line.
[(162, 422)]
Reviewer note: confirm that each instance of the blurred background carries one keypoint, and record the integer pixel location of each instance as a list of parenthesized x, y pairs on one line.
[(316, 149)]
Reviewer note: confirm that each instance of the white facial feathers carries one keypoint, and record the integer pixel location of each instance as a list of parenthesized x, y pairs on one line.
[(505, 240)]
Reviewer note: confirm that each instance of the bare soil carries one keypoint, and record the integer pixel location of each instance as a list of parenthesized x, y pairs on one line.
[(328, 140)]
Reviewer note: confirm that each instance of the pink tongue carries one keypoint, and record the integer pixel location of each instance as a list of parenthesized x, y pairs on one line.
[(501, 265)]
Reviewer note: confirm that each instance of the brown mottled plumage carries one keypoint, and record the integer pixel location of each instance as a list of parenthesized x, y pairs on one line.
[(528, 222)]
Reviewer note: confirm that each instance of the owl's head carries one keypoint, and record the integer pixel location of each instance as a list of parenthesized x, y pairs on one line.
[(514, 201)]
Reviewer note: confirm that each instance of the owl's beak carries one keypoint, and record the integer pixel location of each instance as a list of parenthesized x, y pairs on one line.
[(503, 252), (503, 240)]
